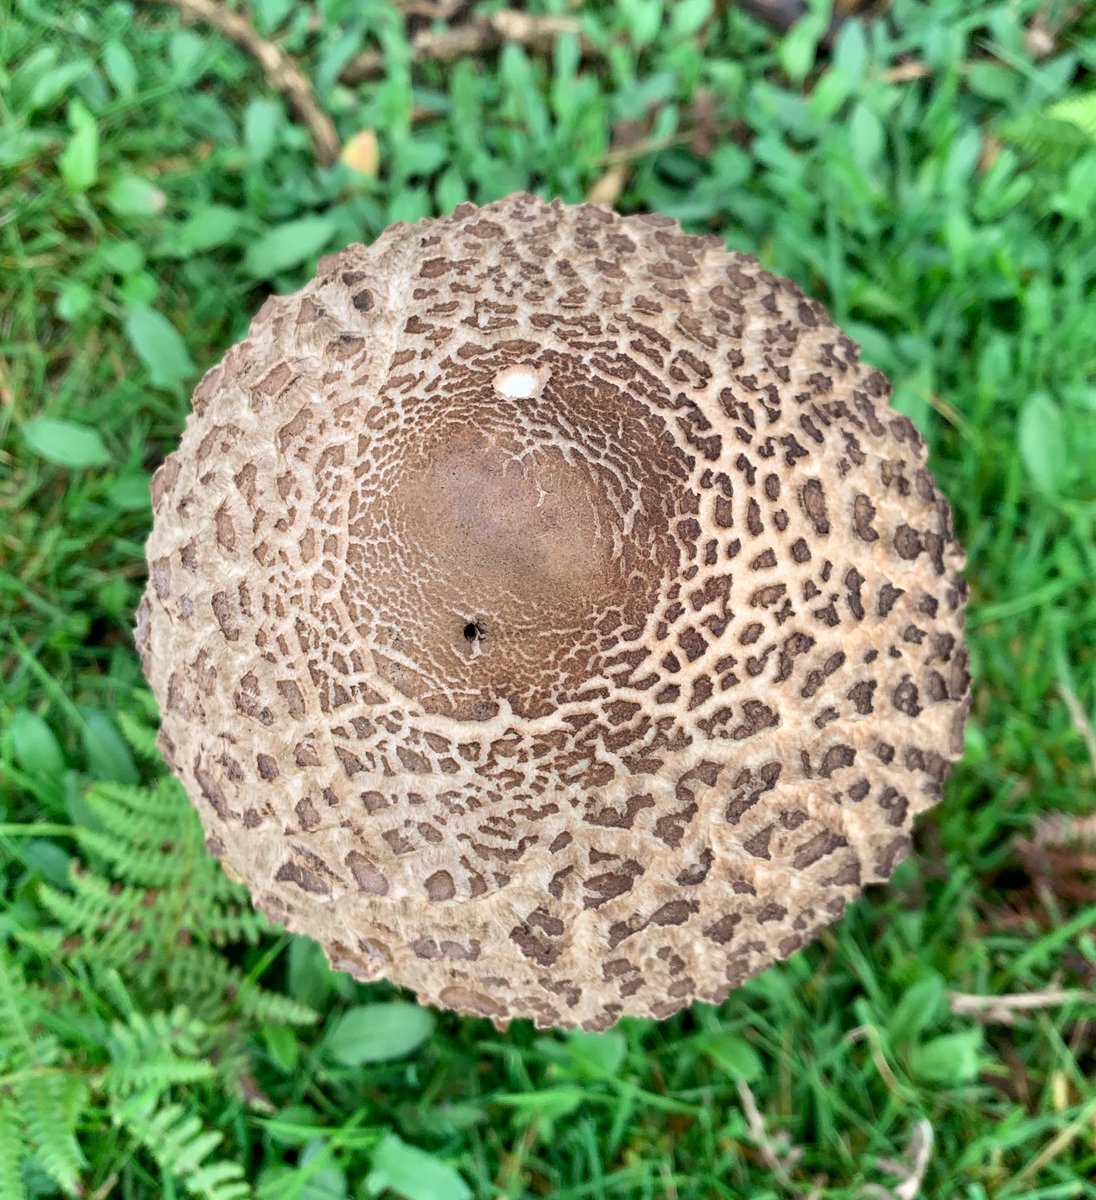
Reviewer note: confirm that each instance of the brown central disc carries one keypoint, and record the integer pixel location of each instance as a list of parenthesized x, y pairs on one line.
[(509, 531), (523, 533)]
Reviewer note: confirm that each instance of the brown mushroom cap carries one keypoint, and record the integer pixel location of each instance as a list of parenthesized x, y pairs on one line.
[(549, 614)]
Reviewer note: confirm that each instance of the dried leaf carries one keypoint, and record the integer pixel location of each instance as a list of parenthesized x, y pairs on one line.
[(608, 188), (363, 153)]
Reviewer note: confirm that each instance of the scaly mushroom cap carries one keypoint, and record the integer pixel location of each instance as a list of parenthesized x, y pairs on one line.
[(549, 614)]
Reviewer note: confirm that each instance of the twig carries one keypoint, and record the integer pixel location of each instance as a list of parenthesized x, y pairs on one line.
[(481, 33), (777, 1152), (910, 1174), (1063, 829), (432, 10), (905, 72), (1059, 855), (280, 71), (1003, 1009), (1079, 719), (870, 1034)]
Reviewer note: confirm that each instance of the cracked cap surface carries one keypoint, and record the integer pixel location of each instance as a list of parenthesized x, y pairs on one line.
[(548, 613)]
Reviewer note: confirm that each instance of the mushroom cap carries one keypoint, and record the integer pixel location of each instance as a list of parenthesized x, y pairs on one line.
[(549, 614)]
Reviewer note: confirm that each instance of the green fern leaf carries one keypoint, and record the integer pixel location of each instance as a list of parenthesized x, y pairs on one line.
[(141, 738), (1079, 111), (180, 1145), (12, 1152), (51, 1106), (219, 1181), (1056, 136), (154, 1052)]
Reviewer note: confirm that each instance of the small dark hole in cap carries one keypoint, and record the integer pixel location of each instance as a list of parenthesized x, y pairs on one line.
[(473, 630)]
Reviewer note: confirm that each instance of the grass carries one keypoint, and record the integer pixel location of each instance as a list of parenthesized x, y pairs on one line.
[(933, 181)]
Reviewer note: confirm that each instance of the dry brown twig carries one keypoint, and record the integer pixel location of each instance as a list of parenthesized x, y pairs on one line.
[(1079, 719), (280, 71), (481, 33), (910, 1173), (776, 1149), (1060, 855), (1005, 1009), (432, 10)]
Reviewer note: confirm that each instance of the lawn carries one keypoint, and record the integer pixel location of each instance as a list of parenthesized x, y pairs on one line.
[(929, 174)]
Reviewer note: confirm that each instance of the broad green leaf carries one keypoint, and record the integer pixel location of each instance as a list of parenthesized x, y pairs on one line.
[(1075, 199), (108, 756), (56, 81), (410, 204), (129, 493), (34, 745), (120, 67), (413, 1174), (642, 19), (309, 978), (282, 1046), (421, 155), (140, 290), (269, 14), (74, 300), (950, 1059), (378, 1033), (66, 443), (450, 190), (188, 53), (123, 257), (1042, 442), (79, 161), (288, 245), (294, 1125), (598, 1053), (687, 17), (262, 121), (158, 346), (799, 45), (17, 145), (206, 227), (734, 1055), (134, 197), (51, 861), (866, 137), (921, 1004)]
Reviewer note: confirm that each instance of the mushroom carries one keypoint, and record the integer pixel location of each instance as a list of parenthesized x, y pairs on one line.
[(549, 614)]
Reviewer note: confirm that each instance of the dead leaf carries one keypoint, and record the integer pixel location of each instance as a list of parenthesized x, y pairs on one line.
[(363, 153), (608, 188)]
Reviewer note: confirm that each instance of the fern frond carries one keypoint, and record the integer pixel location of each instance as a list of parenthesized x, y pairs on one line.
[(16, 1046), (51, 1105), (109, 922), (141, 738), (151, 867), (12, 1152), (1058, 135), (144, 816), (154, 1052), (1079, 111), (219, 1181), (180, 1145), (207, 973), (236, 924)]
